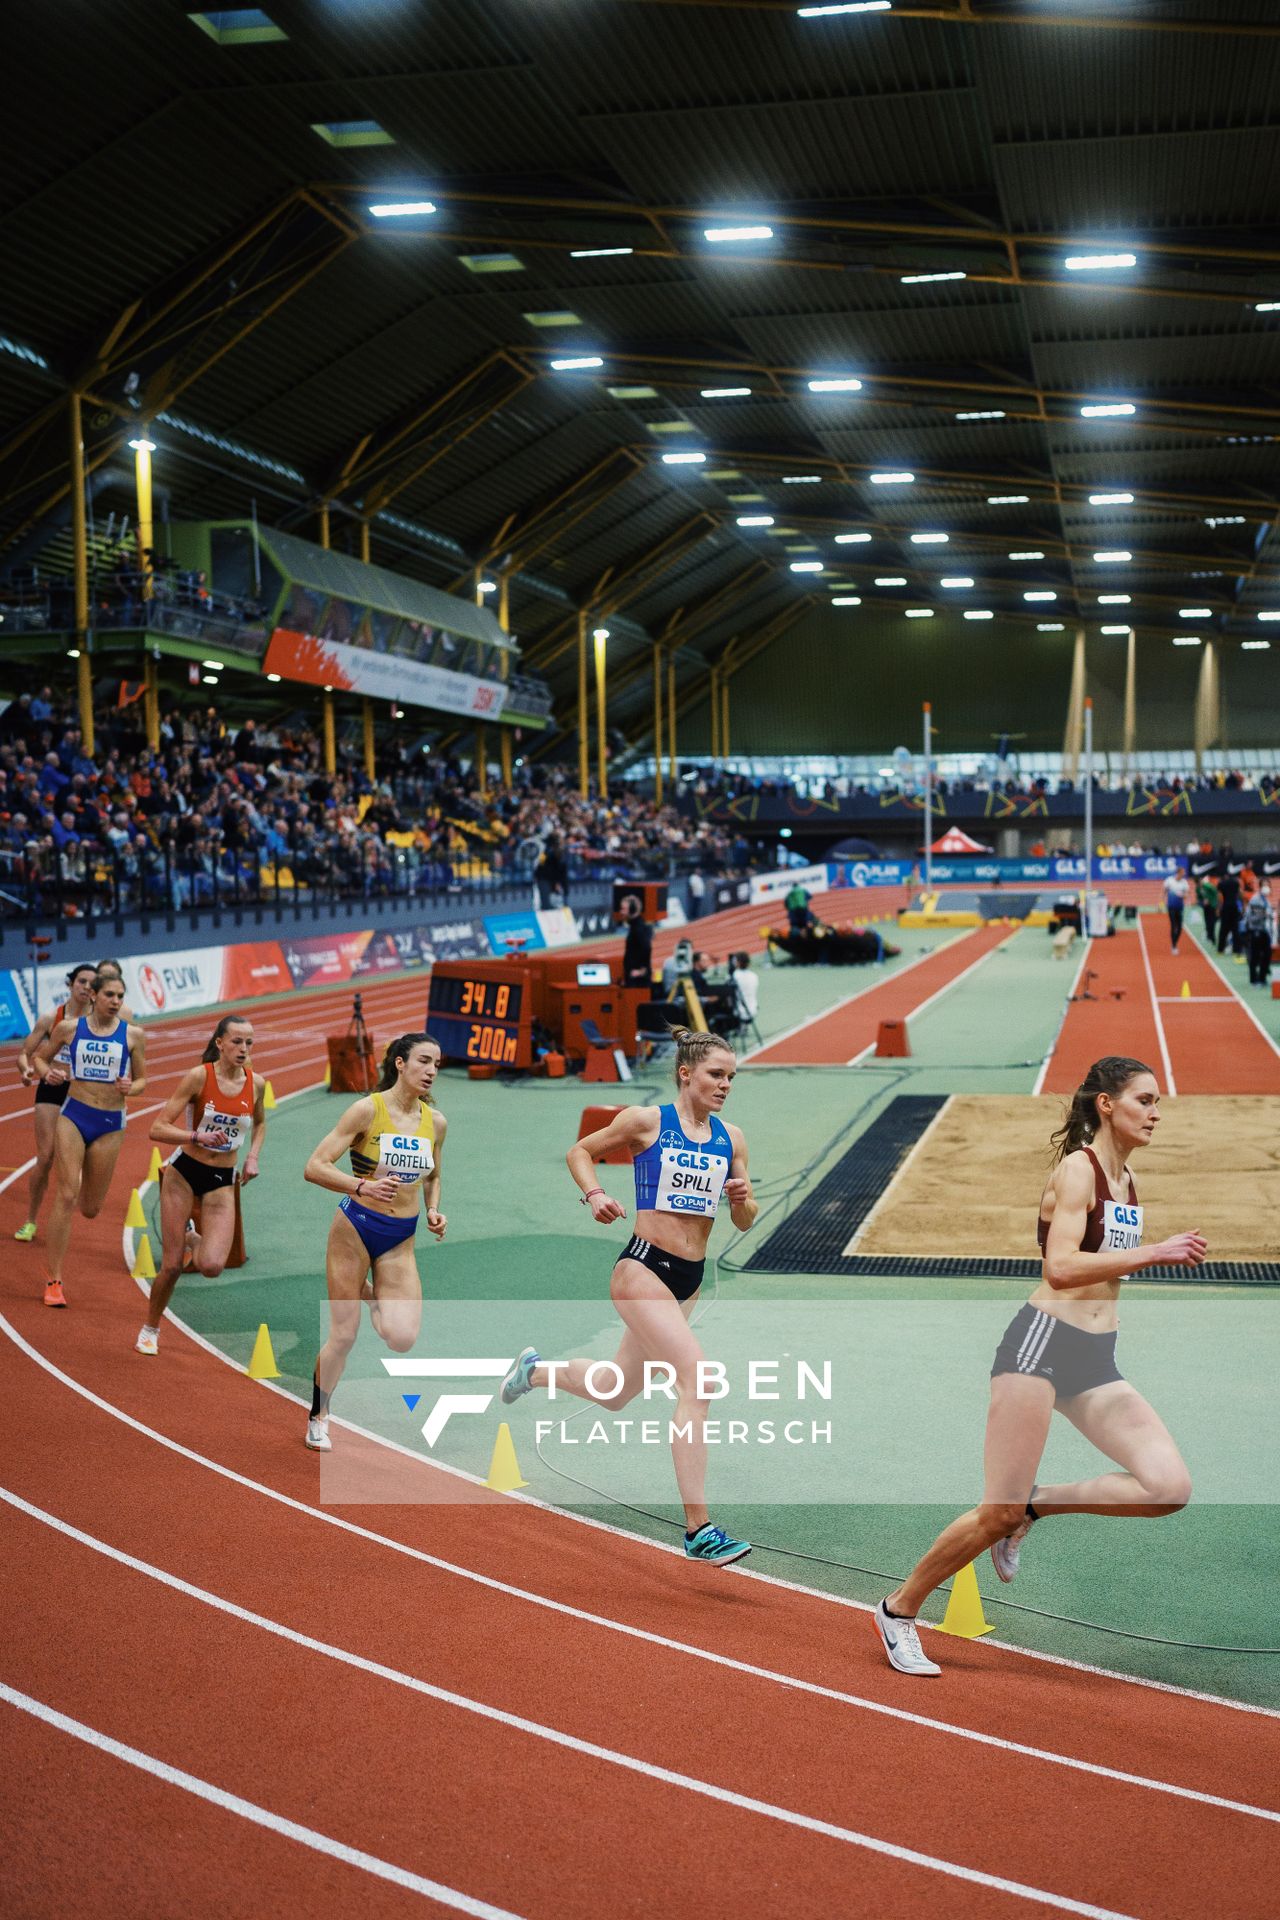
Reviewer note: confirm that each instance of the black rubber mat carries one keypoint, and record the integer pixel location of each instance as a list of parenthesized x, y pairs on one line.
[(872, 1266), (813, 1238)]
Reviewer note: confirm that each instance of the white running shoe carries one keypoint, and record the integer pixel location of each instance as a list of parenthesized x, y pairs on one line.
[(902, 1643), (318, 1434), (1006, 1553), (148, 1341)]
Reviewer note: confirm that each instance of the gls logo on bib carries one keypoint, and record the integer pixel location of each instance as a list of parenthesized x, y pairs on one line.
[(689, 1181)]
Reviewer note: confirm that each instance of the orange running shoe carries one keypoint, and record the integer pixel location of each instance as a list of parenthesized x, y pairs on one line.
[(53, 1294)]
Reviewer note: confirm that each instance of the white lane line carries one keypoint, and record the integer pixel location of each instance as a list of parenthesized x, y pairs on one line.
[(1235, 994), (589, 1749), (248, 1810), (937, 994), (1169, 1083), (1047, 1062), (848, 999), (577, 1519)]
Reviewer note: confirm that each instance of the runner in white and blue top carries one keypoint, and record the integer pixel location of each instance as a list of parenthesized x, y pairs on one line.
[(107, 1064), (687, 1161)]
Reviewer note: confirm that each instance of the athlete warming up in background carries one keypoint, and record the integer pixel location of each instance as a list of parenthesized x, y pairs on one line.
[(1060, 1351), (211, 1112), (394, 1138), (686, 1160)]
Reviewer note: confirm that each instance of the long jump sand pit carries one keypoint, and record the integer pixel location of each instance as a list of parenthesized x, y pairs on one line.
[(972, 1186)]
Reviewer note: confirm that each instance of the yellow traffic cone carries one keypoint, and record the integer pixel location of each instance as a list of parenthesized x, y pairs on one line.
[(504, 1474), (144, 1267), (262, 1361), (268, 1098), (326, 1081), (135, 1217), (153, 1171), (1186, 990), (964, 1616)]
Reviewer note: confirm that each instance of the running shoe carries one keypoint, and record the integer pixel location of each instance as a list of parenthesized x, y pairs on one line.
[(1006, 1553), (148, 1340), (714, 1544), (901, 1642), (517, 1382), (318, 1434), (53, 1294), (26, 1234)]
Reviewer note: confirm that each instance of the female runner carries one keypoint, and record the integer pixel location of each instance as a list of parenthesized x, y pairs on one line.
[(395, 1139), (1060, 1350), (223, 1097), (52, 1090), (686, 1158), (108, 1063)]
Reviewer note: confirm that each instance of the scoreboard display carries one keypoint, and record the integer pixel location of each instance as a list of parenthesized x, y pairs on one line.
[(479, 1011)]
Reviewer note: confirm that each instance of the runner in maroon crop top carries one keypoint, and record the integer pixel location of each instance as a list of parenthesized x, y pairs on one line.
[(1060, 1350)]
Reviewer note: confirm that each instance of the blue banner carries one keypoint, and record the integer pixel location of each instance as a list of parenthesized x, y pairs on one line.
[(980, 871), (16, 1019), (513, 932)]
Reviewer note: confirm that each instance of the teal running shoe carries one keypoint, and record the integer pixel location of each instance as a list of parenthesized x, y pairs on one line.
[(517, 1382), (714, 1544)]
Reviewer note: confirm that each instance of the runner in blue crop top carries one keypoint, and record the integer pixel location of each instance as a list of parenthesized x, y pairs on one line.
[(107, 1064), (686, 1161)]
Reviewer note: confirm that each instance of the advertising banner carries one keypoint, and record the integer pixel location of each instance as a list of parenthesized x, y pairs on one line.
[(384, 676), (258, 966), (1055, 871), (16, 1017), (776, 886), (173, 982), (513, 932), (729, 893), (559, 928)]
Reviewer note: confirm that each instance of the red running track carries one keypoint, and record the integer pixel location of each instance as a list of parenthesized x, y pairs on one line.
[(1205, 1043), (838, 1037)]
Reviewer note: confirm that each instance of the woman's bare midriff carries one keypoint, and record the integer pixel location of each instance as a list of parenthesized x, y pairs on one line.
[(687, 1239), (1092, 1309)]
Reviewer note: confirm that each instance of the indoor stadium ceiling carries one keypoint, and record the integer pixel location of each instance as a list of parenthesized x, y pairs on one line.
[(1006, 298)]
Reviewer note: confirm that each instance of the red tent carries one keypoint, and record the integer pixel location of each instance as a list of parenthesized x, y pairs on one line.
[(956, 840)]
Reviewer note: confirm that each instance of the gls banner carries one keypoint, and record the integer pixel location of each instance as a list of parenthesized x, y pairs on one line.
[(776, 886)]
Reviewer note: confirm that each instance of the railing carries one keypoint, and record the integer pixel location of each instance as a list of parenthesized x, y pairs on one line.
[(87, 881)]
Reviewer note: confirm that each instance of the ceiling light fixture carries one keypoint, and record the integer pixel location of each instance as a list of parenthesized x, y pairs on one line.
[(957, 580), (978, 613), (724, 393), (843, 6), (918, 613), (919, 279), (892, 479), (1046, 594), (1266, 306), (1117, 629), (577, 364), (984, 413), (401, 209), (1008, 499), (852, 539), (801, 479), (1098, 262), (1110, 499), (1269, 616), (845, 383), (1107, 410), (716, 234), (1113, 599), (930, 539), (597, 253), (755, 520), (806, 566), (143, 445), (1029, 553), (1111, 555), (846, 600), (1187, 640), (891, 580), (1255, 646), (683, 459), (1050, 626), (1195, 613)]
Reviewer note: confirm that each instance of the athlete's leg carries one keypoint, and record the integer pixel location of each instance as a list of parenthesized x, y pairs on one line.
[(175, 1210), (45, 1121), (1017, 1427), (660, 1324), (99, 1165), (217, 1231), (68, 1167), (396, 1311), (346, 1263), (1121, 1424)]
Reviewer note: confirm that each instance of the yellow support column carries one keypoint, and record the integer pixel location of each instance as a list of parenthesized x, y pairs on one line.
[(364, 542), (504, 621), (715, 714), (657, 726), (601, 638), (370, 756), (724, 716), (323, 518), (80, 551), (143, 448), (482, 762), (584, 747), (671, 719), (330, 743), (151, 701)]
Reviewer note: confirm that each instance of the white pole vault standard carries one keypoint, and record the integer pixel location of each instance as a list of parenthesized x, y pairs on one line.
[(928, 796), (1088, 812)]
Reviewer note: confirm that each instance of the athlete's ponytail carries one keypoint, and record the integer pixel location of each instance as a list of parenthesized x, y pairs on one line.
[(692, 1048), (1109, 1075), (210, 1053), (400, 1050)]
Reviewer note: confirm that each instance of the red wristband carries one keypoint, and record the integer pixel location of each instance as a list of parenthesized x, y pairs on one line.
[(587, 1198)]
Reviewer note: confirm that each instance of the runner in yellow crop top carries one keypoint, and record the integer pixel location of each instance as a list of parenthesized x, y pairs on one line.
[(394, 1138)]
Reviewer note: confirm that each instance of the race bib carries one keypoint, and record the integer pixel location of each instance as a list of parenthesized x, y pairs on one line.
[(404, 1156), (1121, 1227), (690, 1181), (100, 1060), (234, 1125)]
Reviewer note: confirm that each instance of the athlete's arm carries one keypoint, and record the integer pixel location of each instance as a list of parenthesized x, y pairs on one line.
[(134, 1078), (26, 1072), (634, 1129), (743, 1205), (42, 1061), (436, 1221), (1066, 1266), (167, 1130), (249, 1171), (323, 1171)]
